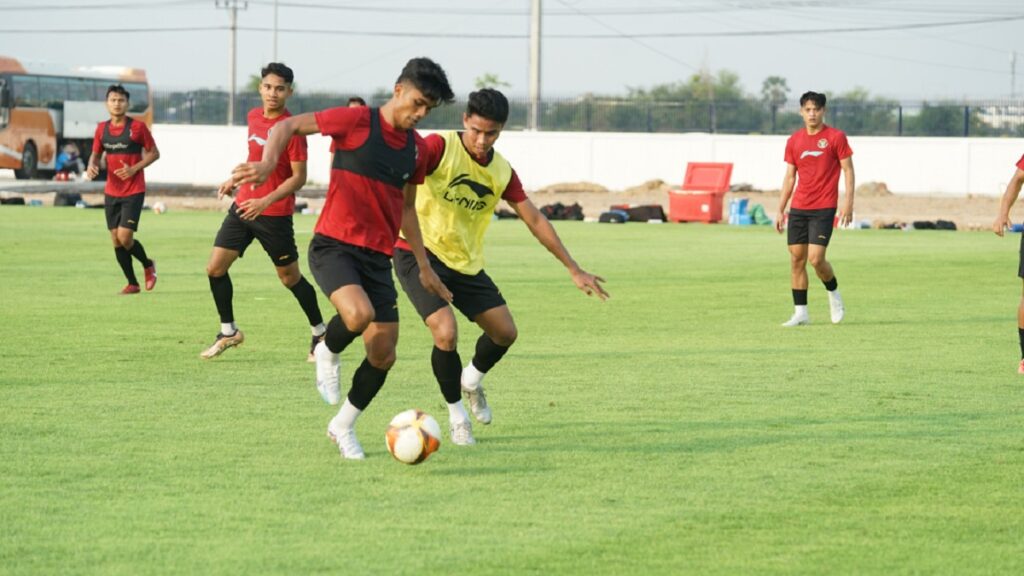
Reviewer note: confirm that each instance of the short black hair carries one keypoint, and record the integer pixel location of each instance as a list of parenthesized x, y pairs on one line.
[(429, 78), (357, 100), (488, 103), (817, 98), (118, 89), (278, 69)]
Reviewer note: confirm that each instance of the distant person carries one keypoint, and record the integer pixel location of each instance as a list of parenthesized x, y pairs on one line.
[(355, 102), (378, 161), (815, 154), (69, 162), (1001, 223), (466, 179), (264, 212), (129, 148)]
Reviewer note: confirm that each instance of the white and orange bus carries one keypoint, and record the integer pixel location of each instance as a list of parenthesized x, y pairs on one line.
[(41, 111)]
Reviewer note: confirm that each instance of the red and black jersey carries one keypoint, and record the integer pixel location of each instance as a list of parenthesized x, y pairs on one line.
[(123, 145), (1020, 163), (259, 131), (372, 163), (817, 157)]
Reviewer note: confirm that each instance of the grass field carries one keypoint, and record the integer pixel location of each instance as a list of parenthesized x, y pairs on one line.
[(673, 429)]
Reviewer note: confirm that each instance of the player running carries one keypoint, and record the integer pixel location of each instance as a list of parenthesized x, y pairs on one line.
[(129, 149), (377, 163), (264, 212), (456, 203), (1001, 223), (815, 153)]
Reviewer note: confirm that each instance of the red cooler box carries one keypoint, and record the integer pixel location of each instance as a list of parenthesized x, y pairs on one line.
[(704, 188)]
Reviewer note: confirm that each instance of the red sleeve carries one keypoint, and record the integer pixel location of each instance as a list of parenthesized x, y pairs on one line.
[(790, 157), (97, 140), (297, 149), (421, 160), (433, 151), (143, 135), (1020, 163), (514, 190), (843, 150), (337, 122)]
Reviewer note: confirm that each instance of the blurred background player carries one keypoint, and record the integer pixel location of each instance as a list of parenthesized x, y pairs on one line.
[(355, 102), (378, 161), (264, 212), (999, 226), (815, 154), (466, 178), (129, 149)]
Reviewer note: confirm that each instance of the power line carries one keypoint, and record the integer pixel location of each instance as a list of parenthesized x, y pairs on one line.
[(80, 6)]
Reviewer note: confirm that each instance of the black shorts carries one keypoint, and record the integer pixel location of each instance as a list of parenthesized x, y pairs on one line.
[(811, 226), (471, 295), (123, 211), (335, 264), (1020, 267), (275, 233)]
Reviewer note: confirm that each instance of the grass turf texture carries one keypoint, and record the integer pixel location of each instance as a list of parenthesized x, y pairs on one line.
[(673, 429)]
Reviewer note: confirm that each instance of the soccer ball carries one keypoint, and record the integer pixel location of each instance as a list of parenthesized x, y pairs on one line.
[(159, 208), (412, 436)]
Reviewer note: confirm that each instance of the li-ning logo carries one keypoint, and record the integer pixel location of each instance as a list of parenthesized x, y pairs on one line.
[(807, 153), (479, 189), (257, 139)]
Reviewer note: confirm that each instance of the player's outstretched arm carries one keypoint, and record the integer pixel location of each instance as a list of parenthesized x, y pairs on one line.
[(545, 233), (257, 172), (411, 230), (1002, 221), (846, 214), (787, 191)]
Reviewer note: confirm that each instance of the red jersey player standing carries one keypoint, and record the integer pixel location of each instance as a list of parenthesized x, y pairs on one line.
[(264, 212), (815, 154), (999, 226), (372, 193), (129, 148)]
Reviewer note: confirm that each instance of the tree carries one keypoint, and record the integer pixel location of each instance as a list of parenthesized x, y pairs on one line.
[(774, 91), (489, 80)]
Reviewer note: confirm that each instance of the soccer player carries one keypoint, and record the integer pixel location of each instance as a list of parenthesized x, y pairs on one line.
[(466, 180), (264, 212), (378, 161), (1001, 223), (815, 154), (355, 102), (129, 147)]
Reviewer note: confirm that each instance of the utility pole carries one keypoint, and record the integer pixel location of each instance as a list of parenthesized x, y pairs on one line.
[(534, 120), (1013, 74), (232, 7), (275, 30)]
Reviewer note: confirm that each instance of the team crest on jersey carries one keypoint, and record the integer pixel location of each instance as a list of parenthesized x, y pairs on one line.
[(822, 143)]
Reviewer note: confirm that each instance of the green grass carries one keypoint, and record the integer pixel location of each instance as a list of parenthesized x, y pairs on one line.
[(673, 429)]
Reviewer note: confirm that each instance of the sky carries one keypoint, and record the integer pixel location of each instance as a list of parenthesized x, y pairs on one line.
[(910, 50)]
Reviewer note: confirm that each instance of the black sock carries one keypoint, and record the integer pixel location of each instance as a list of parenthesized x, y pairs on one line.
[(366, 382), (140, 254), (338, 336), (222, 295), (124, 260), (306, 295), (799, 297), (1020, 334), (448, 371), (831, 285), (487, 353)]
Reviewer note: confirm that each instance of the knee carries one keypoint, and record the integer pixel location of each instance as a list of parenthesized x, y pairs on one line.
[(818, 262), (382, 359), (215, 270), (506, 337), (446, 339), (358, 319), (125, 239), (798, 262), (288, 277)]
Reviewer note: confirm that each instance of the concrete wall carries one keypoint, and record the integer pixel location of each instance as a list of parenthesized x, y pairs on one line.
[(205, 155)]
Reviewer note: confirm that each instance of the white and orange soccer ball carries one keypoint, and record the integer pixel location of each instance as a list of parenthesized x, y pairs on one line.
[(412, 436)]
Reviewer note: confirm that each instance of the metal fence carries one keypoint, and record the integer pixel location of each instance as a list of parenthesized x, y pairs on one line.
[(596, 114)]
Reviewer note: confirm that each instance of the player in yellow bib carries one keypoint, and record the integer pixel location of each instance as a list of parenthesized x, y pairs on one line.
[(466, 178)]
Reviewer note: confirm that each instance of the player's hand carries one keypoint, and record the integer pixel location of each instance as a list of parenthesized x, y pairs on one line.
[(125, 172), (590, 284), (1001, 224), (432, 282), (227, 188), (252, 208), (845, 216), (251, 173), (780, 221), (92, 172)]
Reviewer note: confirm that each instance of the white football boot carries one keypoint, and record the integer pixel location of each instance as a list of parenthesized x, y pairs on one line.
[(328, 368), (462, 433), (798, 319), (345, 438), (835, 306)]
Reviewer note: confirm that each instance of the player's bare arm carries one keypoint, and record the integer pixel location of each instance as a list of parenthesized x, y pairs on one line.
[(1002, 221), (257, 172), (788, 182), (411, 230), (846, 214), (148, 157), (253, 207), (94, 166), (545, 233), (226, 188)]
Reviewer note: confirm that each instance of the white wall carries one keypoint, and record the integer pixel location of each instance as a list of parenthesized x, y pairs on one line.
[(206, 154)]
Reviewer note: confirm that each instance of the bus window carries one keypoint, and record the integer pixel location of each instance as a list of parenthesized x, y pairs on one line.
[(139, 101), (53, 91), (81, 90), (26, 91), (99, 88)]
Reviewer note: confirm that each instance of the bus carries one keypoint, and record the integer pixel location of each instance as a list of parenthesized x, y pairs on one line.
[(43, 110)]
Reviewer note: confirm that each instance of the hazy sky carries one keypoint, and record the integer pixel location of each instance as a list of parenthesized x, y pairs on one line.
[(894, 48)]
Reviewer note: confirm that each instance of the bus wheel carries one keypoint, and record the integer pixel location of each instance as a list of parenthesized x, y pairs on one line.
[(29, 163)]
